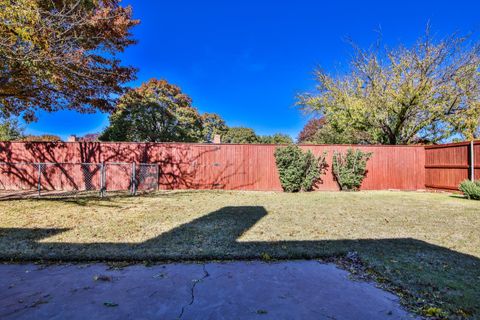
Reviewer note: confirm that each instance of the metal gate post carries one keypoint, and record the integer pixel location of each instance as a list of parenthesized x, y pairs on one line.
[(157, 184), (134, 187), (39, 183), (102, 179), (472, 161)]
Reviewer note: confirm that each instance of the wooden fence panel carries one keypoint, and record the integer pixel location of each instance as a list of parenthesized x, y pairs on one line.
[(449, 164), (224, 166), (390, 167), (476, 165)]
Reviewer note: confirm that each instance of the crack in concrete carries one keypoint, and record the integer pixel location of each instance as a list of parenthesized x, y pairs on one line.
[(192, 290)]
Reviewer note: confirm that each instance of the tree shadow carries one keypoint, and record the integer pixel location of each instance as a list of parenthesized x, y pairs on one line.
[(212, 236), (429, 272)]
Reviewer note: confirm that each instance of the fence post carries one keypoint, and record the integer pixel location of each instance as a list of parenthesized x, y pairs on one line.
[(39, 182), (158, 178), (102, 180), (472, 161), (134, 187)]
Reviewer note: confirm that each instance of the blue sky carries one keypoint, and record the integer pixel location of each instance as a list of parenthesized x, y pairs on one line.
[(246, 60)]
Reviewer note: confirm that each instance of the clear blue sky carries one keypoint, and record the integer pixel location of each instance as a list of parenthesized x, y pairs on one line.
[(246, 60)]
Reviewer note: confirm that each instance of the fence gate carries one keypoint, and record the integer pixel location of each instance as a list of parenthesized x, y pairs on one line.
[(117, 176), (123, 176), (146, 177), (73, 178)]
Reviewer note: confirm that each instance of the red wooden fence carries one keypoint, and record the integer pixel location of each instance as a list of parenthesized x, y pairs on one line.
[(449, 164), (225, 166)]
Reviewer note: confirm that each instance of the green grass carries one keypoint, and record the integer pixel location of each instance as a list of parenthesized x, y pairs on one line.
[(424, 246)]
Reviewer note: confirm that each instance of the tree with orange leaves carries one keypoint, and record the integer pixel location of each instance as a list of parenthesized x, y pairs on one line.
[(157, 111), (61, 54)]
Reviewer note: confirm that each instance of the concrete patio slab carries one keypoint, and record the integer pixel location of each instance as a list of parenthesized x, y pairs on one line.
[(230, 290)]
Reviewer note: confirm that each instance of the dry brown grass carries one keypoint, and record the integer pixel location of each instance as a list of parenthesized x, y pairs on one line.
[(440, 219), (427, 244)]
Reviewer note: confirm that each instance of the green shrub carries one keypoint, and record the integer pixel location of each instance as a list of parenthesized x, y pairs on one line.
[(349, 169), (471, 189), (298, 170)]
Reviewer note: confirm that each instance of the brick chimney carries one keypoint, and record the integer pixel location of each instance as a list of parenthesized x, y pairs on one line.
[(72, 138), (217, 139)]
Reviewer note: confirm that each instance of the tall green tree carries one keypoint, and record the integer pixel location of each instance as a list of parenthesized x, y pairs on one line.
[(213, 125), (426, 93), (240, 135), (10, 129), (62, 54), (276, 138), (155, 112), (248, 136)]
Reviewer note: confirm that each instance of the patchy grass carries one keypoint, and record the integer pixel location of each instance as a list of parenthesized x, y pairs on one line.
[(424, 246)]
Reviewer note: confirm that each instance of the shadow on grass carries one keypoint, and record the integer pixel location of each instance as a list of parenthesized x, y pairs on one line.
[(430, 274), (461, 197), (93, 197)]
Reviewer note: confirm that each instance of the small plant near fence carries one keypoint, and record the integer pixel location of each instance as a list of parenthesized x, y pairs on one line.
[(471, 189), (350, 168), (299, 170)]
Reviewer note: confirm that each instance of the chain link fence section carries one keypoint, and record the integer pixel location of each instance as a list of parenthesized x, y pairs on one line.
[(65, 179), (70, 178), (118, 176), (146, 177)]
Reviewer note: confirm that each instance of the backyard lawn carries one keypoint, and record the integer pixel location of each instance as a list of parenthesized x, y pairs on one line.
[(424, 246)]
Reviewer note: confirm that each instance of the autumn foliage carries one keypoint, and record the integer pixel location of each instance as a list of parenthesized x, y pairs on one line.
[(41, 138), (158, 111), (62, 55), (307, 135), (429, 92)]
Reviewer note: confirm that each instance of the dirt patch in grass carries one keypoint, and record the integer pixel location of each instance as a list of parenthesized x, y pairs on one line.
[(424, 246)]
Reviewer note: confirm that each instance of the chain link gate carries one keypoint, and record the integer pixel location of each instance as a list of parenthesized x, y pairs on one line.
[(64, 179), (118, 176), (123, 176), (146, 177)]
